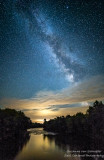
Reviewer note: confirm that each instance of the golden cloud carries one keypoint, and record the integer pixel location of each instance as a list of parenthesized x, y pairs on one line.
[(37, 107)]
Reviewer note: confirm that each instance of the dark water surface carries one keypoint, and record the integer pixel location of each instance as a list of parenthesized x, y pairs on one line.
[(43, 146)]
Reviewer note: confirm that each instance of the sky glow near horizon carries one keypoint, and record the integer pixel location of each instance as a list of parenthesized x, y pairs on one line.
[(52, 56)]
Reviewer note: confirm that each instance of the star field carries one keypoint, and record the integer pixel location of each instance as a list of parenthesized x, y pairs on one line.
[(49, 45)]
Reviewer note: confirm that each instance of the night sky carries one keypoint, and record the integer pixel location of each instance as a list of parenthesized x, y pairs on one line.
[(51, 56)]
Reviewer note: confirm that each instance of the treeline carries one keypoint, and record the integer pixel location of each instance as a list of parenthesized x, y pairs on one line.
[(36, 125), (89, 124), (13, 123)]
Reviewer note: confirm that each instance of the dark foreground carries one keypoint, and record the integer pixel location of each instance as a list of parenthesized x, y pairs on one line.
[(79, 137), (46, 146)]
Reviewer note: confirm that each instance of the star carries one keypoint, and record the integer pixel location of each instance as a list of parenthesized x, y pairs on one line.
[(67, 7)]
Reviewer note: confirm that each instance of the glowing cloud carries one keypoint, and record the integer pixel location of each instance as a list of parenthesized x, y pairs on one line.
[(67, 101)]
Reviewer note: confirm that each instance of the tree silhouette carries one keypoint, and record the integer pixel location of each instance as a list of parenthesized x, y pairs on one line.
[(13, 123), (90, 124)]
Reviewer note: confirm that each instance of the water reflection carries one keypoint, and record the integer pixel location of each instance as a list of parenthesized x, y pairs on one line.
[(9, 148), (46, 147), (40, 149), (79, 147)]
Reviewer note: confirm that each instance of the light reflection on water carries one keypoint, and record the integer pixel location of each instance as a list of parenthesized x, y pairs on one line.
[(41, 147)]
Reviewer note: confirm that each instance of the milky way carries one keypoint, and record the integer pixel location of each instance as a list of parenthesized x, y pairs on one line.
[(48, 45), (70, 67), (51, 56)]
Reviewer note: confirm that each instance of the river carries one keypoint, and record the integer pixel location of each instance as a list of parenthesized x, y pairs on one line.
[(41, 145)]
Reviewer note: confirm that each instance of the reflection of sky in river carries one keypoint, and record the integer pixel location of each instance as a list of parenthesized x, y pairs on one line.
[(42, 147)]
